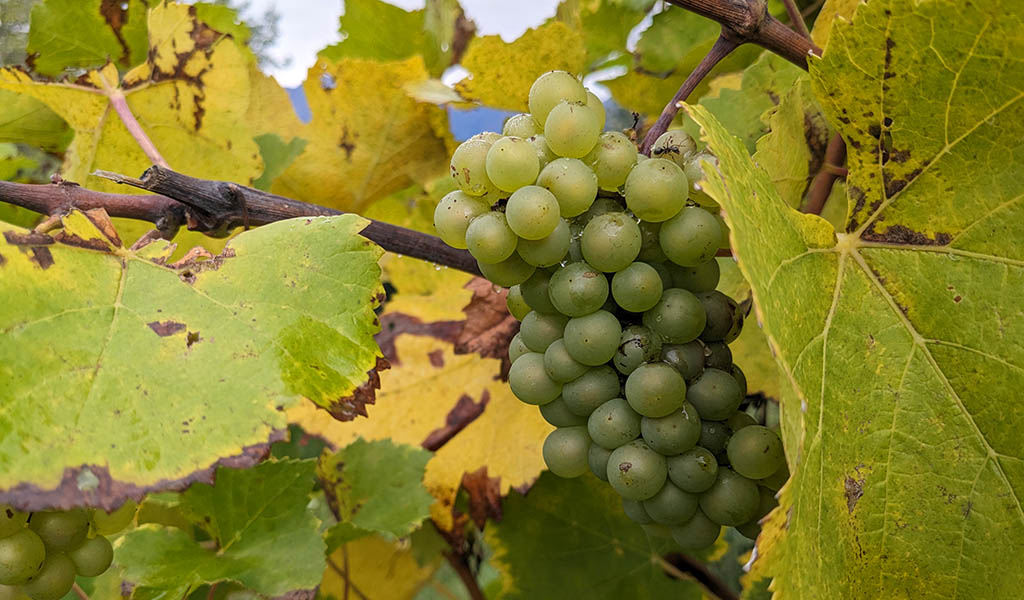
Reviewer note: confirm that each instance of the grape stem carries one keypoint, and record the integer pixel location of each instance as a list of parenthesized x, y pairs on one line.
[(831, 170), (79, 591), (681, 566), (796, 19)]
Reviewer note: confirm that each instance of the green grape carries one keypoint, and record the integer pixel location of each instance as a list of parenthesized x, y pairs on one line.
[(731, 500), (516, 348), (572, 183), (592, 339), (612, 159), (550, 89), (674, 433), (664, 273), (530, 383), (109, 524), (675, 145), (544, 153), (698, 533), (487, 136), (560, 366), (535, 292), (60, 530), (695, 173), (517, 306), (637, 287), (578, 289), (590, 390), (741, 379), (521, 125), (93, 557), (538, 330), (635, 510), (655, 390), (611, 242), (597, 108), (490, 239), (650, 247), (678, 316), (776, 480), (750, 530), (21, 555), (613, 424), (637, 345), (511, 271), (636, 471), (557, 413), (512, 163), (739, 420), (671, 505), (641, 157), (11, 520), (755, 452), (532, 212), (10, 592), (694, 470), (725, 319), (766, 504), (715, 394), (687, 358), (52, 581), (656, 190), (453, 214), (691, 237), (714, 435), (547, 251), (718, 356), (572, 130), (702, 278), (567, 451), (597, 458), (469, 167)]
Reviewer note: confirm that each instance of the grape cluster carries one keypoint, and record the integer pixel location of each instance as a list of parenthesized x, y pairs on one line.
[(624, 340), (42, 552)]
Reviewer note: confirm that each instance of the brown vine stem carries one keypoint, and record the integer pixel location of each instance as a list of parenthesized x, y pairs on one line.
[(681, 566), (459, 561), (796, 19), (831, 170)]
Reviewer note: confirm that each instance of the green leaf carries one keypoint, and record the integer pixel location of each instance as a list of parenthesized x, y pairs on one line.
[(605, 25), (225, 20), (25, 120), (85, 34), (375, 487), (405, 35), (152, 372), (570, 536), (265, 537), (277, 157), (900, 337)]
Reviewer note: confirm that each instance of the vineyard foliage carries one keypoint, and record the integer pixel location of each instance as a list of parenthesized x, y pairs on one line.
[(887, 329)]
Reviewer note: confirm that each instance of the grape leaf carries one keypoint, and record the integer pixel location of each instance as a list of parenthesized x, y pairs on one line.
[(102, 31), (266, 539), (25, 120), (750, 350), (377, 569), (171, 367), (906, 455), (277, 155), (605, 26), (570, 537), (830, 11)]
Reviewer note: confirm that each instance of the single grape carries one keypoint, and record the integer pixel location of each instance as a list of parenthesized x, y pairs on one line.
[(597, 458), (593, 339), (573, 184), (469, 167), (731, 500), (93, 557), (517, 306), (674, 433), (655, 390), (656, 190), (718, 356), (567, 451), (687, 358), (511, 271), (671, 505), (741, 379), (675, 145), (453, 215), (596, 107), (637, 345), (696, 174), (663, 272), (678, 316), (535, 292), (636, 471), (572, 130), (487, 136), (557, 414), (691, 237), (530, 382), (739, 420), (612, 159), (637, 287), (547, 251), (714, 435), (521, 125), (559, 365), (650, 248), (538, 330), (21, 555), (11, 520), (613, 424), (578, 289), (755, 452), (765, 505), (725, 319), (512, 163), (54, 580), (516, 348), (490, 239), (715, 394), (776, 480), (60, 530), (590, 390), (544, 153), (611, 242), (635, 510), (551, 88), (698, 533), (702, 278), (750, 530), (532, 212), (694, 470)]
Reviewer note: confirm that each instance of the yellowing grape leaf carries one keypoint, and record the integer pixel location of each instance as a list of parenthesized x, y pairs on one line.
[(148, 373), (830, 11), (901, 335), (25, 120), (374, 568), (750, 350)]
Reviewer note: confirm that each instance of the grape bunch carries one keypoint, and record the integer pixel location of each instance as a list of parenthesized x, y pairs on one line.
[(41, 553), (609, 257)]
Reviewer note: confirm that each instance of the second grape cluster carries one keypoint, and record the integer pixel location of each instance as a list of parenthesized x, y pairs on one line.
[(609, 257)]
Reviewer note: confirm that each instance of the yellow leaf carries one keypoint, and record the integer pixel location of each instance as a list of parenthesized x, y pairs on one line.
[(379, 569)]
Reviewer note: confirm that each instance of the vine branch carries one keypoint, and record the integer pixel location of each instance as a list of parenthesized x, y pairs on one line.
[(681, 566), (831, 170)]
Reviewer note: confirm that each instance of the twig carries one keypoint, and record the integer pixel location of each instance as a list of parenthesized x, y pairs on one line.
[(344, 557), (796, 19), (722, 47), (212, 591), (79, 591), (459, 561), (831, 170), (681, 566), (344, 575)]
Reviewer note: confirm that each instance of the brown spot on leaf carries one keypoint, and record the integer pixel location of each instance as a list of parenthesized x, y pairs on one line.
[(854, 489), (899, 234), (957, 298), (395, 324), (436, 358), (3, 261), (488, 326), (166, 328), (349, 407), (484, 494), (192, 338), (465, 412)]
